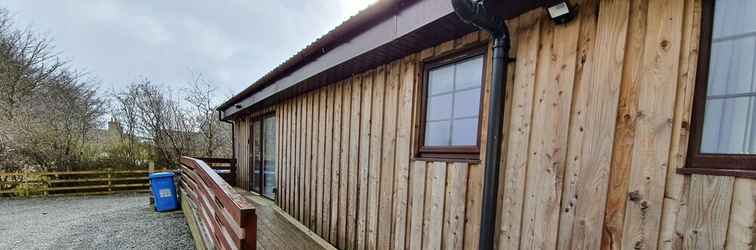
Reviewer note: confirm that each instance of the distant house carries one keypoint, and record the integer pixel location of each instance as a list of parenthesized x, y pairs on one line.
[(632, 126), (109, 144), (104, 138)]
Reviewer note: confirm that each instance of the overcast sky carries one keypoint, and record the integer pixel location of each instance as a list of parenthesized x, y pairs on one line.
[(230, 42)]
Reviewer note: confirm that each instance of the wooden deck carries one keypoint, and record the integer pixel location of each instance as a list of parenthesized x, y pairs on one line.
[(276, 231)]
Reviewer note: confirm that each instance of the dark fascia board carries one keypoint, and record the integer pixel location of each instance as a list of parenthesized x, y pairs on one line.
[(513, 8), (386, 22), (344, 32), (385, 32)]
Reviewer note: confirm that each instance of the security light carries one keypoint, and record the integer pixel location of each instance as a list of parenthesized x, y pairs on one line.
[(561, 13)]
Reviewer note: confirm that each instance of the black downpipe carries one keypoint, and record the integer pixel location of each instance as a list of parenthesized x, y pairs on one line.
[(233, 134), (493, 145), (475, 13)]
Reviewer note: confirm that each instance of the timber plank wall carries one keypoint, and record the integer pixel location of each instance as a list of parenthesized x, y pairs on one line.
[(597, 121), (242, 147)]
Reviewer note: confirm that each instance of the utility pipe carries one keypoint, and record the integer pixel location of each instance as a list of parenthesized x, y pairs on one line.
[(474, 12), (233, 135)]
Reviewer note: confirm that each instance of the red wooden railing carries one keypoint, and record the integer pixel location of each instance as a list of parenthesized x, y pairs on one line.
[(227, 219), (224, 167)]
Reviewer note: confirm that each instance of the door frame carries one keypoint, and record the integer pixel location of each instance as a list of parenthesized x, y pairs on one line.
[(252, 155)]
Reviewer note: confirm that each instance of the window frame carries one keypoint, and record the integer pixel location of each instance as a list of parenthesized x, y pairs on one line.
[(449, 153), (738, 165)]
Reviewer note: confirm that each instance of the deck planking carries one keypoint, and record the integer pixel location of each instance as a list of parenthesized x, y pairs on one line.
[(274, 231)]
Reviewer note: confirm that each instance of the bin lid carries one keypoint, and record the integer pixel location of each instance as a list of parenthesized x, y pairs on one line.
[(161, 175)]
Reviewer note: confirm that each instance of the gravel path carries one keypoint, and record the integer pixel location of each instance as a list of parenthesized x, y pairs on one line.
[(124, 221)]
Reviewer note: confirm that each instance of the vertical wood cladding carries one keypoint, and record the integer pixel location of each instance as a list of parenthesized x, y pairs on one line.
[(596, 123), (347, 166)]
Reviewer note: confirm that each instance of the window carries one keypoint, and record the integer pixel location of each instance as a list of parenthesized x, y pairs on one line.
[(724, 114), (452, 91)]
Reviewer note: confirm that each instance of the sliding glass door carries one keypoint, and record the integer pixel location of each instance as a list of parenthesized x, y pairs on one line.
[(263, 141), (256, 155), (269, 157)]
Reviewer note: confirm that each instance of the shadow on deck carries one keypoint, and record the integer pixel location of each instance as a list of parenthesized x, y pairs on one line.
[(277, 231)]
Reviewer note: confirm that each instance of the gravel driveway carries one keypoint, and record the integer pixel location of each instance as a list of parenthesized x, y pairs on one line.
[(124, 221)]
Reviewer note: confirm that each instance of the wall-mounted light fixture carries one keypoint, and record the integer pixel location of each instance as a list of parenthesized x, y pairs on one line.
[(561, 12)]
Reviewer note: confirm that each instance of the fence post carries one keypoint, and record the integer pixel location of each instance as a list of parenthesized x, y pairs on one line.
[(233, 172), (46, 180), (110, 181), (26, 184)]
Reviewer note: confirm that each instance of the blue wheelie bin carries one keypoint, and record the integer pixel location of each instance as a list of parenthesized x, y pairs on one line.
[(164, 191)]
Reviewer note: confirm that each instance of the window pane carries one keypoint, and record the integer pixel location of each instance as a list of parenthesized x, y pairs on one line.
[(469, 73), (441, 80), (734, 17), (269, 138), (465, 132), (467, 103), (439, 107), (731, 66), (269, 157), (728, 126), (453, 103), (731, 92), (712, 126), (257, 155), (437, 133), (718, 69)]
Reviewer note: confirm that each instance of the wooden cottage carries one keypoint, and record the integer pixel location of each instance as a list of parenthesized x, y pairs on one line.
[(631, 126)]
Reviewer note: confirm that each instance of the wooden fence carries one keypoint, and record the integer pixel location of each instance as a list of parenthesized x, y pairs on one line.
[(221, 217), (224, 167), (73, 183)]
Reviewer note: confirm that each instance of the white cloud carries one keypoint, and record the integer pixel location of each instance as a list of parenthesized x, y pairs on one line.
[(233, 43), (351, 7)]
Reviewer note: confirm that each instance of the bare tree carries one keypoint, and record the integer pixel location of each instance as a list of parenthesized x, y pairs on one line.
[(46, 109), (216, 139), (49, 113), (26, 62), (125, 113), (174, 124), (154, 113)]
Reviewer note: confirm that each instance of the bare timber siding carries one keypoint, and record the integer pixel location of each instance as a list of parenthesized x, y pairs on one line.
[(596, 124)]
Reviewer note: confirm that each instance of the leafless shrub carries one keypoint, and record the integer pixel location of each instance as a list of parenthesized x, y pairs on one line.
[(174, 124), (46, 108), (50, 114)]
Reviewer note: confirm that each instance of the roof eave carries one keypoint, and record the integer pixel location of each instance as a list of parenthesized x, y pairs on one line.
[(388, 21), (344, 32)]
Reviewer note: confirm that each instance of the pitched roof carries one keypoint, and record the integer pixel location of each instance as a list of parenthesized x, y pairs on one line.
[(341, 33), (385, 31)]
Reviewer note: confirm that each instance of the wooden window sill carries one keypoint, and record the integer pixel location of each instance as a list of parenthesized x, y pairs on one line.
[(440, 159), (744, 173)]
